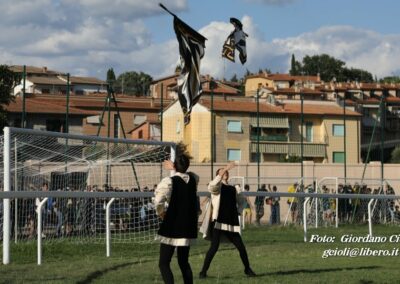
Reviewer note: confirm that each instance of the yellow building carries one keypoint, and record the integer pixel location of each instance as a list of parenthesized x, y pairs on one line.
[(279, 128)]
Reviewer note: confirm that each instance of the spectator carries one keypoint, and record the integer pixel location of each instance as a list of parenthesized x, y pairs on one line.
[(247, 210), (259, 203), (275, 208), (292, 201)]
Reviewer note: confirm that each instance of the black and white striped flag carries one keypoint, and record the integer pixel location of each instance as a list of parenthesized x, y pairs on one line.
[(191, 49)]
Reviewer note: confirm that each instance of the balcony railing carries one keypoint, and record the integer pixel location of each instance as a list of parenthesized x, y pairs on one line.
[(275, 137), (291, 148)]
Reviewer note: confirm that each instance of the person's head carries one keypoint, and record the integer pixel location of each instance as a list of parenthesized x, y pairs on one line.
[(246, 187), (263, 187), (182, 158), (274, 188), (45, 186), (225, 177)]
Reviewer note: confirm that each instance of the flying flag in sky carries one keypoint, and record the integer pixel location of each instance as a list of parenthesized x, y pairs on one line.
[(191, 49), (237, 39)]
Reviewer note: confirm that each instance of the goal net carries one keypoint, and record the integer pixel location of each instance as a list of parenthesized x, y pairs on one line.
[(47, 161)]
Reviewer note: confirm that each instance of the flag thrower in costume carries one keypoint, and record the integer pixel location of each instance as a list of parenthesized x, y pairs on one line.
[(191, 50), (237, 39)]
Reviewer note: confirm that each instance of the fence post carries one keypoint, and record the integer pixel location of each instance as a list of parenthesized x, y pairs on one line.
[(6, 201), (39, 231), (305, 218), (370, 217), (108, 231)]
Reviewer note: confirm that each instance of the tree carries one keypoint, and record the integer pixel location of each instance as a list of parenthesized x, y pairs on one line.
[(110, 77), (327, 66), (395, 156), (295, 67), (133, 83), (390, 79), (234, 78), (354, 74), (8, 80)]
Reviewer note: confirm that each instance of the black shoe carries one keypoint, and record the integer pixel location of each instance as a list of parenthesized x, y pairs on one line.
[(202, 275), (249, 272)]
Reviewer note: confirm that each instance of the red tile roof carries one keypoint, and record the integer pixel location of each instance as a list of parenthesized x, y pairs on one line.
[(288, 108), (34, 105)]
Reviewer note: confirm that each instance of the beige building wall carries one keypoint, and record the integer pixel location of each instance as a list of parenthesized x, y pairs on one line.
[(225, 140), (336, 143), (252, 84), (197, 134)]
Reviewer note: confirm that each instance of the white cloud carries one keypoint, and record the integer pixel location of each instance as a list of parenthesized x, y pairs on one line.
[(87, 37)]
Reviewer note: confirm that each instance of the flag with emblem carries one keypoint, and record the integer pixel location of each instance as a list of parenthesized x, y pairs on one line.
[(236, 40)]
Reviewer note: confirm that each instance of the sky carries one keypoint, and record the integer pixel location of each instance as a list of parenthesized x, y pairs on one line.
[(87, 37)]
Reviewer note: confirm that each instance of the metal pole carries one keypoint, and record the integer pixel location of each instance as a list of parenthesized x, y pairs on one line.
[(162, 111), (23, 124), (305, 218), (108, 178), (15, 189), (212, 133), (302, 138), (382, 120), (258, 138), (108, 230), (6, 201), (370, 216), (344, 139), (39, 231), (67, 106)]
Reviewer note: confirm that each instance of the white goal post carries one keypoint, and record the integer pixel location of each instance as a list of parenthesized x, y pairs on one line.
[(37, 161)]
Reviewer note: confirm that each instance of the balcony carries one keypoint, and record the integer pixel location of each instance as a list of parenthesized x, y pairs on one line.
[(290, 148), (272, 137)]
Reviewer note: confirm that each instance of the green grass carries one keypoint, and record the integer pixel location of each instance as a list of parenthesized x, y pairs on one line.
[(277, 255)]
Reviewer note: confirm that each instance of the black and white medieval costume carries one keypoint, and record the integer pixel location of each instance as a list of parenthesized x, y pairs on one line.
[(176, 197), (224, 217)]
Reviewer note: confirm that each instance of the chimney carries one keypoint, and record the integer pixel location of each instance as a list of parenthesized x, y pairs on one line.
[(44, 69)]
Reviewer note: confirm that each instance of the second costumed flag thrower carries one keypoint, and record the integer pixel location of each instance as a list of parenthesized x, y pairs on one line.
[(191, 50)]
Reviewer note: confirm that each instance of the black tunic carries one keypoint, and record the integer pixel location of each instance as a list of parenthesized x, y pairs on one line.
[(181, 217), (228, 213)]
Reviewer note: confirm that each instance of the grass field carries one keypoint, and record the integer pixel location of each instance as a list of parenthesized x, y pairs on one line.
[(277, 255)]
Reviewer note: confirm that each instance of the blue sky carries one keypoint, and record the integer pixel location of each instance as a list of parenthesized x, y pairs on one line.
[(86, 37)]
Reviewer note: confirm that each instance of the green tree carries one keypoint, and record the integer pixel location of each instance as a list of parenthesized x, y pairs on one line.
[(395, 156), (295, 67), (234, 78), (390, 79), (354, 74), (133, 83), (110, 77), (8, 80), (328, 67)]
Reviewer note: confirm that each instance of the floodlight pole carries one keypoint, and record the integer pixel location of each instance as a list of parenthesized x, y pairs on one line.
[(6, 201), (23, 124), (344, 138), (383, 120), (258, 137), (302, 138)]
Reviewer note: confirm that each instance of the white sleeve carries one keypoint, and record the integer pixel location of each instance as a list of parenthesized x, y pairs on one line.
[(162, 195), (215, 185)]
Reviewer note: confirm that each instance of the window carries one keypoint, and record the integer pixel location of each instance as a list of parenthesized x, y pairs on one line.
[(55, 125), (139, 119), (140, 135), (253, 158), (338, 157), (338, 130), (234, 154), (235, 126), (309, 131), (178, 126), (116, 125)]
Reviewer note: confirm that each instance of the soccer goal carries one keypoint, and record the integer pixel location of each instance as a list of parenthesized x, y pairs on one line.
[(39, 161)]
